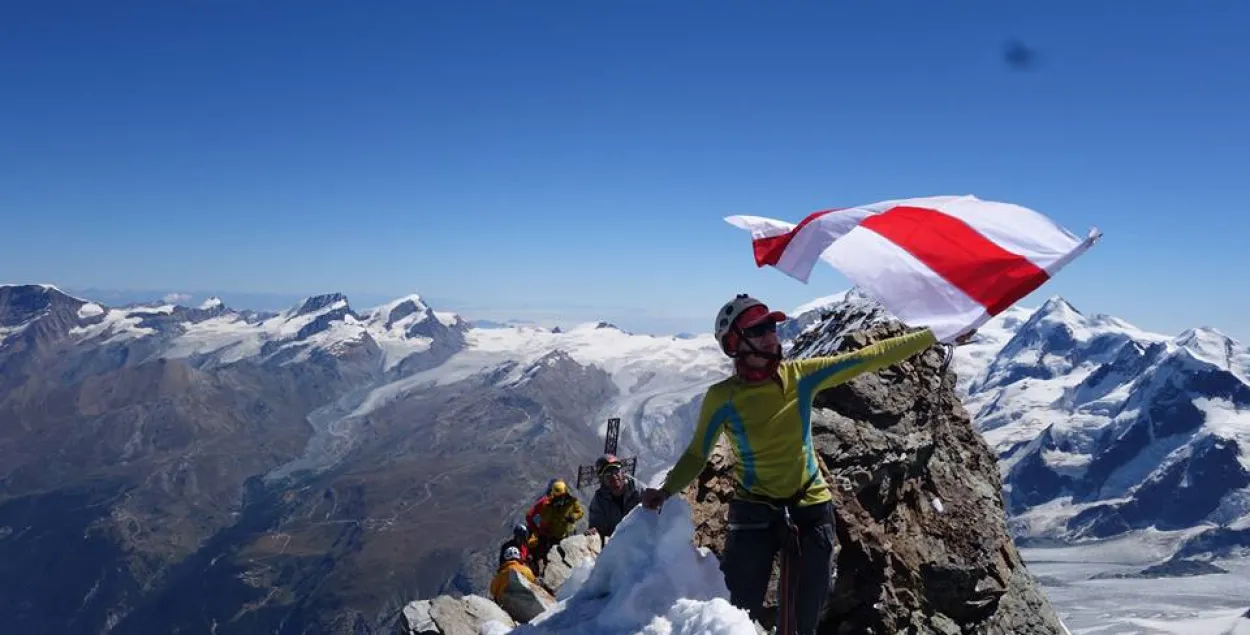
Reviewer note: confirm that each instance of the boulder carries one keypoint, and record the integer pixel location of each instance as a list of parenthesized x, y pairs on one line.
[(416, 619), (923, 545), (447, 615), (566, 555), (523, 600)]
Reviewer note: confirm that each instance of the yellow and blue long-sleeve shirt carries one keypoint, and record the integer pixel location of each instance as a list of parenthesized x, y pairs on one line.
[(769, 423)]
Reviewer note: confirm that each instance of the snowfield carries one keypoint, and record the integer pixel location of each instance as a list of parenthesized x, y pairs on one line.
[(1200, 605)]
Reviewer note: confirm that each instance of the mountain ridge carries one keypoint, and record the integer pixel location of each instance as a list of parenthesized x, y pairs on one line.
[(323, 429)]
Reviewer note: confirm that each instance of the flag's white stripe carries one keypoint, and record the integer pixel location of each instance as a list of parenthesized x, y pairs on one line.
[(759, 226), (804, 250), (1017, 229), (905, 286)]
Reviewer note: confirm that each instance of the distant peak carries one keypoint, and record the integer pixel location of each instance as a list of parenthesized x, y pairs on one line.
[(606, 325), (46, 289), (1209, 344), (410, 299), (1058, 307), (212, 303), (318, 302), (1201, 332), (22, 303), (819, 303)]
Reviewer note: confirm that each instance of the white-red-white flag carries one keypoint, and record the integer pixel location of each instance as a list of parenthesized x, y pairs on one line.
[(946, 262)]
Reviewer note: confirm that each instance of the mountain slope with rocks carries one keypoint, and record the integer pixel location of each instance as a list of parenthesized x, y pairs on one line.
[(234, 471), (922, 531)]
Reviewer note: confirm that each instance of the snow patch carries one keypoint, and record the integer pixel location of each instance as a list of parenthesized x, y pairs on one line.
[(447, 319), (212, 303), (90, 310), (164, 309), (650, 579), (1225, 420), (117, 326), (229, 337)]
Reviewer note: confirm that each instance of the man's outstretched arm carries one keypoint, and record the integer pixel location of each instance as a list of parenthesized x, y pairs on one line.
[(692, 460), (820, 373)]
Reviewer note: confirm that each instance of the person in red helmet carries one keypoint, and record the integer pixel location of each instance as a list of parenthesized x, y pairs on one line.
[(781, 500), (618, 493)]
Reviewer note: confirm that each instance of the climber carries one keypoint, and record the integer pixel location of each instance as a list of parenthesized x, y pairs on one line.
[(781, 499), (519, 540), (552, 519), (511, 562), (618, 493)]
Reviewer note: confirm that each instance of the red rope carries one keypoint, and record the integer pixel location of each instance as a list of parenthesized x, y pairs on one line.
[(790, 553)]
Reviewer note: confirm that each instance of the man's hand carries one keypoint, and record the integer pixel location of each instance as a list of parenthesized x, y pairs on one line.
[(652, 498)]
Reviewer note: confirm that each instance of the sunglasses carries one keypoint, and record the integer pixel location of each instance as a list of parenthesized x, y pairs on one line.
[(761, 329), (610, 470)]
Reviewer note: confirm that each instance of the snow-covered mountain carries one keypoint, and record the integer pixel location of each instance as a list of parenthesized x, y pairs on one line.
[(1103, 428), (185, 441), (214, 333), (1100, 426), (209, 435)]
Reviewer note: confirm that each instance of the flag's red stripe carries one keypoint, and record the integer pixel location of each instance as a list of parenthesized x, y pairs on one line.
[(768, 250), (992, 276)]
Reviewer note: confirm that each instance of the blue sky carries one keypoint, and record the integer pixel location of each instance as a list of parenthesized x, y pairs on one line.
[(575, 159)]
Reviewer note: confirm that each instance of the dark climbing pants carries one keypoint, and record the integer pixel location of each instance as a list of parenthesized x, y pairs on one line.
[(756, 533)]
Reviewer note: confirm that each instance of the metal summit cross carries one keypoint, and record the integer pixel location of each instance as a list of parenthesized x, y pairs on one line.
[(586, 473)]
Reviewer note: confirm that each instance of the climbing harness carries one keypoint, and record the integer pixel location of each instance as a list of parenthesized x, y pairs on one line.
[(790, 538)]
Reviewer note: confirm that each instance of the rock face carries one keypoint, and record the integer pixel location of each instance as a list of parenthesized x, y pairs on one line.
[(923, 541)]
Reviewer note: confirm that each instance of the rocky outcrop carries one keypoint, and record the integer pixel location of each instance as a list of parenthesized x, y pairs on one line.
[(567, 555), (923, 541), (445, 615), (521, 601)]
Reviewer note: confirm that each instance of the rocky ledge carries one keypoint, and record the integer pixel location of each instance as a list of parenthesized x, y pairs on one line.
[(520, 602)]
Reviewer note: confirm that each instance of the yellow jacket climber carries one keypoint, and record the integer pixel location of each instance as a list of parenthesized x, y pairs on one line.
[(781, 503), (769, 423), (512, 562), (555, 514)]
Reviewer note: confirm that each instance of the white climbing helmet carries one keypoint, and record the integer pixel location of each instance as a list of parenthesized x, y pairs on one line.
[(734, 308), (512, 553)]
